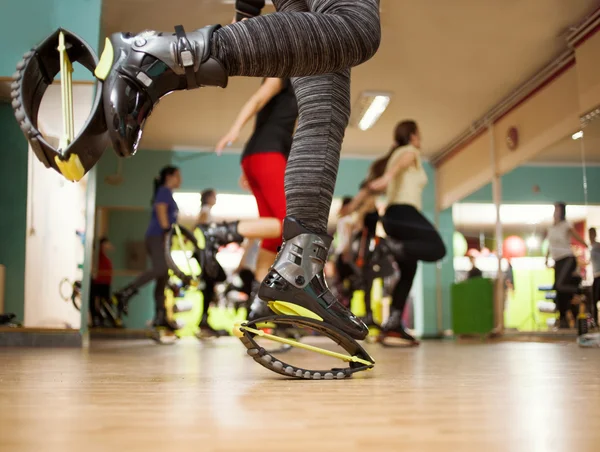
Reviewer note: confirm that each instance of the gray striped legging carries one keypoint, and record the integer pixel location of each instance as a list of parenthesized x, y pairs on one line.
[(315, 42)]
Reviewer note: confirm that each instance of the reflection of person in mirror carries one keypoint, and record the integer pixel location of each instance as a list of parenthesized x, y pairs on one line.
[(164, 215), (101, 279), (566, 280), (595, 260), (475, 272), (208, 199), (509, 276)]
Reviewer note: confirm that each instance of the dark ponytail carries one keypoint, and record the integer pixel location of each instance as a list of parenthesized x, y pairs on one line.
[(404, 131), (160, 180)]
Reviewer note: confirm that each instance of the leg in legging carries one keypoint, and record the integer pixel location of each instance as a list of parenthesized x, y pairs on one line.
[(333, 37), (208, 296), (160, 316), (324, 111), (412, 236), (369, 279), (408, 270), (563, 284), (139, 70), (305, 37), (94, 311), (158, 269), (595, 298)]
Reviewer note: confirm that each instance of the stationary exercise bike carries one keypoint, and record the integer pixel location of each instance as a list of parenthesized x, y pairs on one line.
[(119, 120)]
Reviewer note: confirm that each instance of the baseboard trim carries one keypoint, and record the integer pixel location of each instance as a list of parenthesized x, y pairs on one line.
[(118, 333), (40, 337)]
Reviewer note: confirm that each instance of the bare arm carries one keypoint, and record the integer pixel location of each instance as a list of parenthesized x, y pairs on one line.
[(162, 215), (203, 217), (269, 89), (356, 202), (405, 161)]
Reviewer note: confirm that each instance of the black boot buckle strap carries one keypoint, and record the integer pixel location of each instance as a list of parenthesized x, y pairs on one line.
[(186, 56)]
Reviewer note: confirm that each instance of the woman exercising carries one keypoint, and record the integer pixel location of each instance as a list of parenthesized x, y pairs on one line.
[(316, 41), (566, 283), (208, 199), (263, 164), (411, 237), (163, 217)]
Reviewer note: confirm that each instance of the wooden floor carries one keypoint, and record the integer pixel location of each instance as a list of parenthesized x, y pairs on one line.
[(137, 396)]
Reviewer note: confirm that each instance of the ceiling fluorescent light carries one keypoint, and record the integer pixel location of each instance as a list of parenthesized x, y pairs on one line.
[(368, 109), (577, 135)]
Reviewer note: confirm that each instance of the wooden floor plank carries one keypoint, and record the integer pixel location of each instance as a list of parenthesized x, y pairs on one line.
[(210, 396)]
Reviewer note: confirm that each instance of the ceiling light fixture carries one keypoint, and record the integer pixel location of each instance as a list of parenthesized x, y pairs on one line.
[(368, 109), (577, 135)]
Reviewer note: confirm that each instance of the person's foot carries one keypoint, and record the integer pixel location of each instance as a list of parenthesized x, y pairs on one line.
[(216, 235), (161, 320), (562, 324), (369, 321), (121, 300), (394, 328), (208, 331), (221, 234), (138, 70), (296, 285)]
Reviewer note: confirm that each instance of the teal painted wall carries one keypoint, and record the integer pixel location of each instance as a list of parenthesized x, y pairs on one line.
[(446, 225), (556, 184), (25, 23), (199, 171), (13, 205)]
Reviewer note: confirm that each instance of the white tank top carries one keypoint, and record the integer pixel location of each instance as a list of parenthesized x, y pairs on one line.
[(559, 241), (407, 186)]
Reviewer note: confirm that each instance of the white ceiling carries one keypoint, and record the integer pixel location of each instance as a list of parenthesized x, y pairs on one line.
[(446, 62)]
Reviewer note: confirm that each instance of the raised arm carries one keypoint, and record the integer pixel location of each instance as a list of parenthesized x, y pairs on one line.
[(405, 161), (269, 89)]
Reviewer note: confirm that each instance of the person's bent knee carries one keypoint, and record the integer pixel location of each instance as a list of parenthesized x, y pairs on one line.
[(369, 30)]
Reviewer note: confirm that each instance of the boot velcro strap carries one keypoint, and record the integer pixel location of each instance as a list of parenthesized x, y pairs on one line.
[(321, 253), (186, 55)]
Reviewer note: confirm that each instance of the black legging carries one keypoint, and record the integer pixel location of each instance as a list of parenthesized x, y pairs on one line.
[(208, 293), (566, 285), (159, 272), (595, 298), (420, 240), (370, 228)]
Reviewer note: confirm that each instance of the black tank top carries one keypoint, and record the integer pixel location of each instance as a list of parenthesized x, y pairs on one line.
[(275, 124)]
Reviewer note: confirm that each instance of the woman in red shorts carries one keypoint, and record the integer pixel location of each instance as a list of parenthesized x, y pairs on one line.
[(264, 160)]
